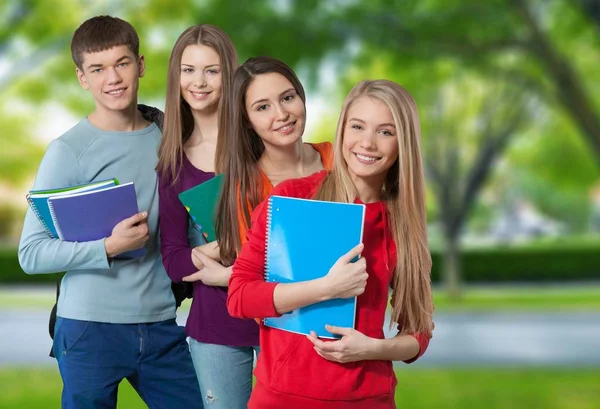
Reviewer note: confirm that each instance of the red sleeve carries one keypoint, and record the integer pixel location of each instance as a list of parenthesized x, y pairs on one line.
[(249, 295), (423, 340), (174, 244)]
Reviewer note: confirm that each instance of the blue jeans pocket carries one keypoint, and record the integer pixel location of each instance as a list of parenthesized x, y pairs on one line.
[(67, 335)]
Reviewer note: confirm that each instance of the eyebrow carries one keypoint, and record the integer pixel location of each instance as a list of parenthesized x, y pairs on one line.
[(208, 66), (363, 122), (280, 95), (125, 57)]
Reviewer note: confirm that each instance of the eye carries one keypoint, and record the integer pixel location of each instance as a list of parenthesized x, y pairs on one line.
[(385, 132), (213, 71), (262, 107), (357, 127), (97, 70), (123, 64), (187, 70), (288, 97)]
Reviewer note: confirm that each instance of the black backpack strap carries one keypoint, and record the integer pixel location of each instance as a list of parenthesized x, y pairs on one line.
[(52, 320)]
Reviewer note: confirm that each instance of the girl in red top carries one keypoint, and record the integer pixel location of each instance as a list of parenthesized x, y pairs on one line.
[(378, 163)]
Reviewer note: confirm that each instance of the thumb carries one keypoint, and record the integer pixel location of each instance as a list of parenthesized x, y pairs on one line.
[(338, 330), (135, 219), (352, 254)]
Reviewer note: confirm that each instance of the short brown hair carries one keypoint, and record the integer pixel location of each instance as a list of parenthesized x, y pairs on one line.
[(101, 33)]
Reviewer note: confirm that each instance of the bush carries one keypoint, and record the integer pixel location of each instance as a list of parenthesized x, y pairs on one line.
[(11, 272), (551, 262), (560, 261)]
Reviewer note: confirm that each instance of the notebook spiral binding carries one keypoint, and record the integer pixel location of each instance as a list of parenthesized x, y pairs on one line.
[(269, 210), (39, 217), (56, 225)]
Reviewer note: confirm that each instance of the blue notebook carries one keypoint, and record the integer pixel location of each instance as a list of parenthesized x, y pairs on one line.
[(304, 240), (91, 215), (38, 201)]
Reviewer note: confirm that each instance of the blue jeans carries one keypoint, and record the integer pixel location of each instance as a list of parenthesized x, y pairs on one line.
[(224, 374), (95, 357)]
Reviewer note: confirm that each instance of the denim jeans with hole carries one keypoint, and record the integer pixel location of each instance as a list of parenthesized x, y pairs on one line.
[(224, 374)]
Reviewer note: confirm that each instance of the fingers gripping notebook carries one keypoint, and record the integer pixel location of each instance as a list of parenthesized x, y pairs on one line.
[(304, 240)]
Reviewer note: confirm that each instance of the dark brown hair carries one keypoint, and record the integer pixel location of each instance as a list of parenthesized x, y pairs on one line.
[(102, 33), (179, 122), (242, 185)]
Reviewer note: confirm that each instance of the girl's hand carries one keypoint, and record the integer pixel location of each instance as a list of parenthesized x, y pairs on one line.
[(211, 250), (212, 272), (347, 279), (353, 346)]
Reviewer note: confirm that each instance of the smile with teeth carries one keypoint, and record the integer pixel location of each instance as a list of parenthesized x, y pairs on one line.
[(286, 128), (116, 92), (199, 94), (366, 159)]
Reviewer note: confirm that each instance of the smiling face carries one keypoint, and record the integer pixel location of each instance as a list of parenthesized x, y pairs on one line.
[(200, 78), (275, 110), (112, 76), (370, 141)]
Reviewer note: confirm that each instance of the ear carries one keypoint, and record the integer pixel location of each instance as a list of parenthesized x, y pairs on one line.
[(141, 65), (81, 78)]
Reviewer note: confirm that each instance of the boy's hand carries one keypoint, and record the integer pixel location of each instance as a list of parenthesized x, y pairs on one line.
[(128, 234)]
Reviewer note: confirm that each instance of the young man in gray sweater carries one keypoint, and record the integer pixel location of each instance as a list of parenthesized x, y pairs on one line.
[(116, 317)]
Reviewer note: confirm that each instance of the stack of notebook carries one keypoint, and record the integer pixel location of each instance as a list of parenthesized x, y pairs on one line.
[(85, 212)]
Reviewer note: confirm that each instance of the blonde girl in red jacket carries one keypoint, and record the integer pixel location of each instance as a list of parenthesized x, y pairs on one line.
[(377, 162)]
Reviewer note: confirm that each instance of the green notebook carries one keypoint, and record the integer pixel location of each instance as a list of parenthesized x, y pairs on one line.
[(201, 203)]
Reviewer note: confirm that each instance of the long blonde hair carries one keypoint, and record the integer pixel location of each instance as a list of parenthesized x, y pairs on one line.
[(404, 192), (179, 122)]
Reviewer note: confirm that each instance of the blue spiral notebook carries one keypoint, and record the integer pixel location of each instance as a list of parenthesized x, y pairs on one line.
[(38, 201), (304, 240), (92, 215)]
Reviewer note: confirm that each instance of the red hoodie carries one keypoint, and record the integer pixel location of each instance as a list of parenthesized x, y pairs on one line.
[(289, 372)]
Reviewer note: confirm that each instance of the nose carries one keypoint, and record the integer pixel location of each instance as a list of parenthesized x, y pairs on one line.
[(200, 80), (367, 141), (281, 113), (113, 76)]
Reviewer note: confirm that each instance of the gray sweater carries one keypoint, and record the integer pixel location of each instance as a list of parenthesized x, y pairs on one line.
[(123, 291)]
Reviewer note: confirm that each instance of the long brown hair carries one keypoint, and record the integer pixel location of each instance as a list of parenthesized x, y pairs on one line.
[(404, 192), (179, 122), (242, 184)]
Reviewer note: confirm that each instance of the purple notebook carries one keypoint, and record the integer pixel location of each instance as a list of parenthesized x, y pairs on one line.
[(91, 215)]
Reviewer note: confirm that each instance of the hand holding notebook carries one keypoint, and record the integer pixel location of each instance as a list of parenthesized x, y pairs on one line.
[(128, 235), (348, 276), (92, 215)]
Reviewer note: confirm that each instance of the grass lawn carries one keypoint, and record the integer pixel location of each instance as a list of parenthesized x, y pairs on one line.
[(417, 388), (487, 298)]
